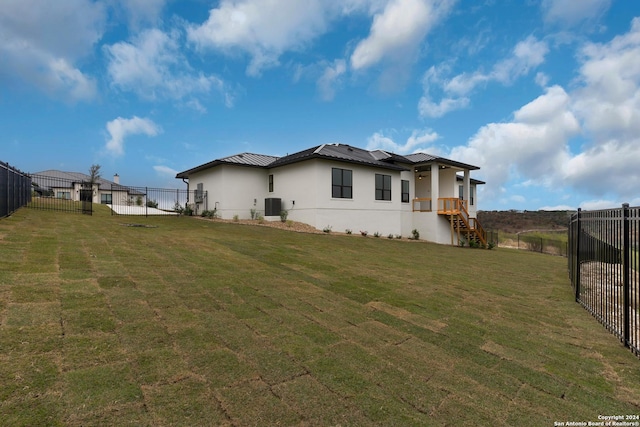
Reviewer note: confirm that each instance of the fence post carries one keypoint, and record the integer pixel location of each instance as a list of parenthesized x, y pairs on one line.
[(578, 232), (626, 271)]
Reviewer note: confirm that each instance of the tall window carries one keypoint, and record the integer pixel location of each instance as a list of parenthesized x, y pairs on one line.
[(341, 183), (405, 191), (383, 187), (270, 183)]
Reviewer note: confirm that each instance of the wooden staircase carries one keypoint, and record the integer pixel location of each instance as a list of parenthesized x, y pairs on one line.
[(461, 224)]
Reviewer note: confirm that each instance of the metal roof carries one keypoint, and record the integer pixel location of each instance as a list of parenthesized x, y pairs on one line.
[(338, 152), (242, 159)]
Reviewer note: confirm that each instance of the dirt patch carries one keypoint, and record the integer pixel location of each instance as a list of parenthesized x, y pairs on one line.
[(289, 225)]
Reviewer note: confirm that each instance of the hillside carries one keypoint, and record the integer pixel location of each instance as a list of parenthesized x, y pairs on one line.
[(516, 221)]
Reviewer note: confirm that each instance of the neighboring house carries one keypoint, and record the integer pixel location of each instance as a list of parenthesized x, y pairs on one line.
[(72, 185), (344, 187)]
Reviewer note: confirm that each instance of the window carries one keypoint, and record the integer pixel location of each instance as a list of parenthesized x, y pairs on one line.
[(383, 187), (471, 195), (106, 199), (270, 183), (405, 191), (64, 195), (461, 192), (341, 183)]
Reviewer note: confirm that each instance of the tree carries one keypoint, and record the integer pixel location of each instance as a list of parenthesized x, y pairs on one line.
[(94, 175)]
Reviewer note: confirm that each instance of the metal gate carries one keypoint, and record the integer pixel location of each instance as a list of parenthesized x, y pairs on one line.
[(86, 198)]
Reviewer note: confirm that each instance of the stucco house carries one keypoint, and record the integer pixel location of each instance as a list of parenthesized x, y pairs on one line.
[(345, 187), (72, 185)]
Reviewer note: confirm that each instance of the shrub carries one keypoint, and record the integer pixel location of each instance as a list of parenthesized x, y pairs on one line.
[(398, 236), (327, 229), (416, 234), (390, 236), (364, 233), (253, 213), (283, 215), (348, 231), (236, 218), (152, 204), (376, 234)]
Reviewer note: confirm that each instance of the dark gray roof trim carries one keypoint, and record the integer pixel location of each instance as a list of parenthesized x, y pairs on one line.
[(472, 180), (427, 158)]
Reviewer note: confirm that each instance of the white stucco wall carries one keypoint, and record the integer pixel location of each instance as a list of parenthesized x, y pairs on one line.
[(232, 190), (306, 193)]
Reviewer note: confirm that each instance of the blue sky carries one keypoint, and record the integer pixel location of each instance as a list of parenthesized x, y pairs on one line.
[(543, 95)]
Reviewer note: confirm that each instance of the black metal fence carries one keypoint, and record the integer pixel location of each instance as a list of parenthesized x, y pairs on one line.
[(604, 266), (148, 201), (71, 192), (61, 193), (15, 189), (534, 243)]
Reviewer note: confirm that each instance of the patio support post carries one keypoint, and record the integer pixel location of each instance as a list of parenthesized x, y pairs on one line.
[(435, 186), (466, 188)]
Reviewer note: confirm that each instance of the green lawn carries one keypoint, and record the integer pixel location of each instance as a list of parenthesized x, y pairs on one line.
[(193, 322)]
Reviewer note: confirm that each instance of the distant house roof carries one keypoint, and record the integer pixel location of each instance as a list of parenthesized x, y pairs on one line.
[(59, 179), (339, 152)]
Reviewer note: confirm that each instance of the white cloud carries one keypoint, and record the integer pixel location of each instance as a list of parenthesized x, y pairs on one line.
[(418, 141), (526, 55), (331, 78), (264, 30), (603, 110), (142, 11), (165, 171), (558, 208), (121, 128), (608, 103), (428, 108), (153, 67), (398, 30), (41, 42), (533, 146), (571, 12)]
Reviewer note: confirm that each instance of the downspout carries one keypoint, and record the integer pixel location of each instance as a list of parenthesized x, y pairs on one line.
[(186, 182)]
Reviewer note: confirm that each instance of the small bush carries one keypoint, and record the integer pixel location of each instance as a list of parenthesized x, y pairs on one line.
[(283, 215), (253, 213), (398, 236), (376, 234), (152, 204), (416, 234), (348, 231), (364, 233), (390, 236), (236, 218), (327, 229)]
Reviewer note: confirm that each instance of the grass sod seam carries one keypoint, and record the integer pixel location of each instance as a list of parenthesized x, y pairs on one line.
[(187, 321)]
